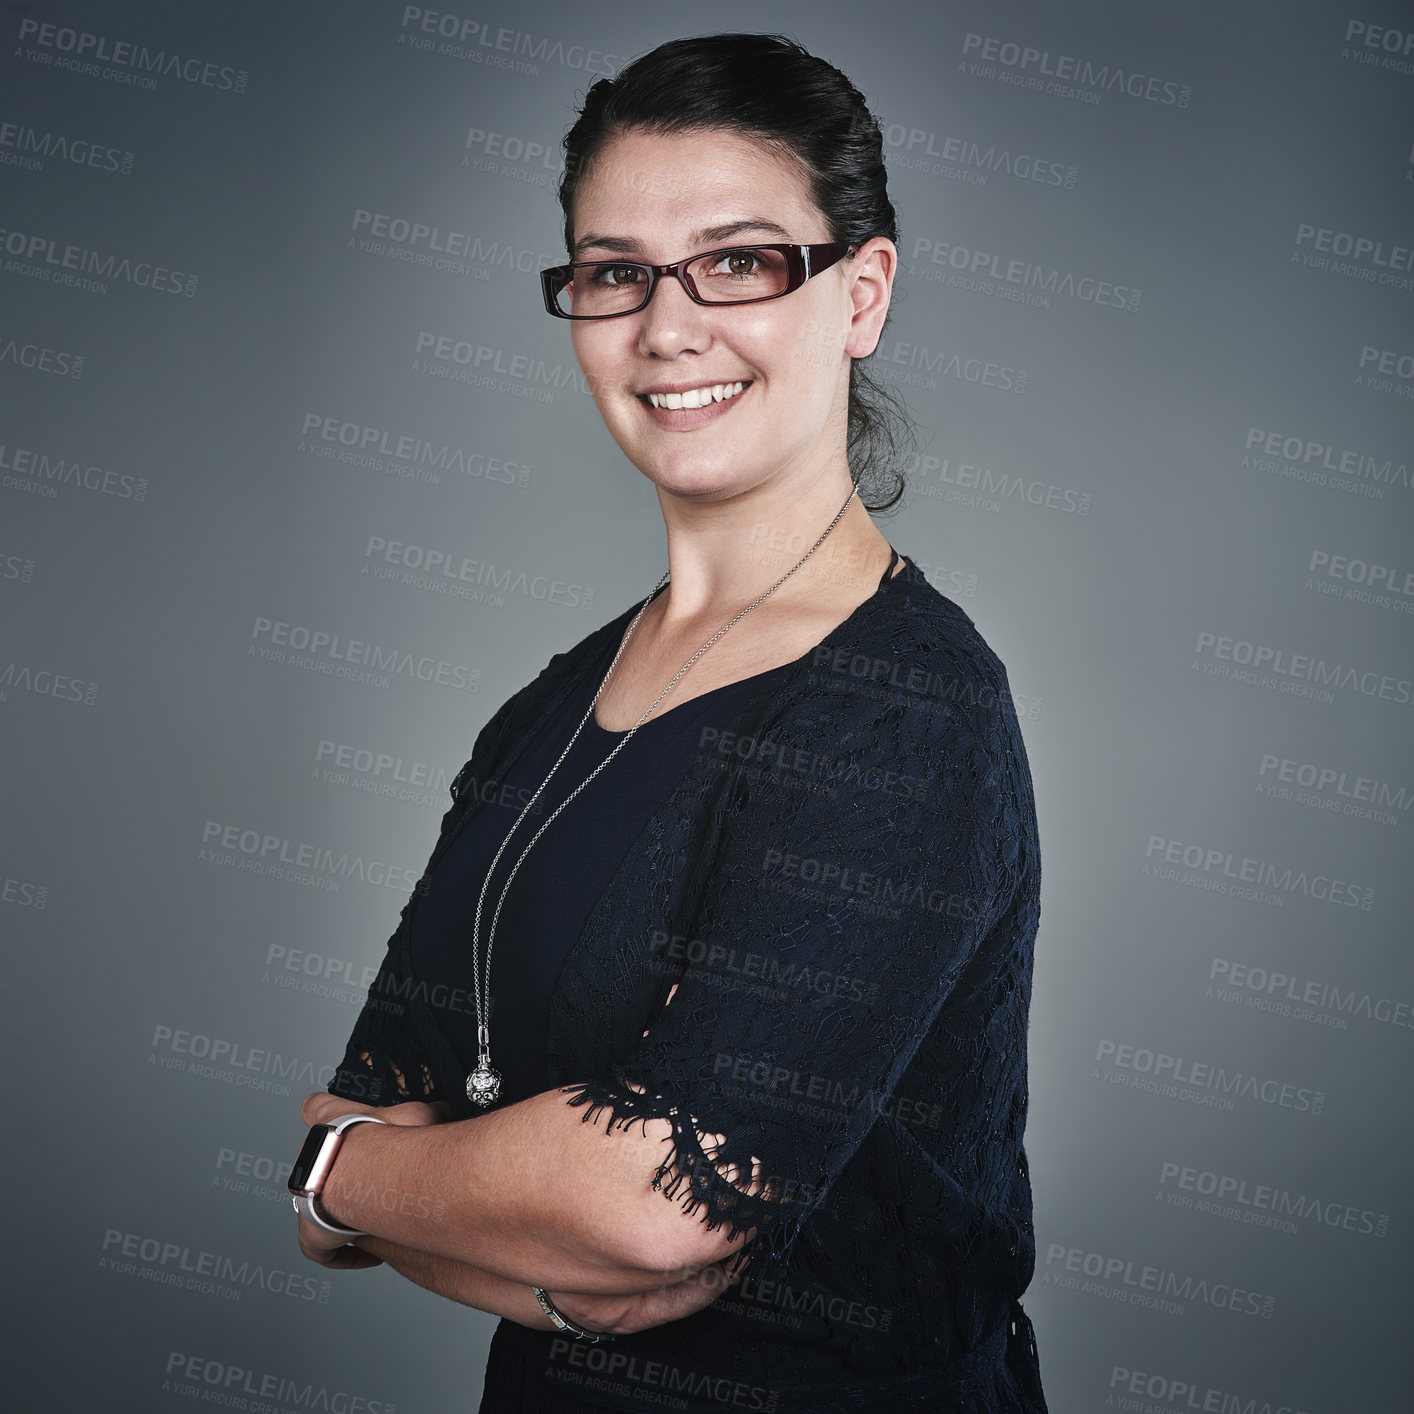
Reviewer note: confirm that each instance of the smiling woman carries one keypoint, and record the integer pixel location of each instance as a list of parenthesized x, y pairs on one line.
[(744, 1091), (716, 316)]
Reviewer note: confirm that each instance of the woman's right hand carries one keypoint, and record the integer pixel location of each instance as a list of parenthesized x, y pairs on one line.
[(417, 1112), (320, 1107)]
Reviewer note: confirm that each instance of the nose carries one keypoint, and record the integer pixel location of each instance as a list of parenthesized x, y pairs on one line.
[(673, 323)]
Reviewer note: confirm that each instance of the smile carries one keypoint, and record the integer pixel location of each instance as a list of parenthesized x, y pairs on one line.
[(695, 397)]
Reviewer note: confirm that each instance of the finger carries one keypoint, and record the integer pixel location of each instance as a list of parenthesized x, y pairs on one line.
[(688, 1297), (321, 1247), (320, 1106), (600, 1315), (345, 1258), (704, 1287), (325, 1249), (414, 1112), (671, 990), (352, 1259)]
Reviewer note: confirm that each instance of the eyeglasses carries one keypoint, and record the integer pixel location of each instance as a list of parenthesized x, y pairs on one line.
[(606, 289)]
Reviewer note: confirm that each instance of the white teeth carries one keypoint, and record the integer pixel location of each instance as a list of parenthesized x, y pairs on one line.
[(696, 397)]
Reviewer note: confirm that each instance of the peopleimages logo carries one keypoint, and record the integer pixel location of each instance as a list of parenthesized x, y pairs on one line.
[(260, 852), (1389, 362), (52, 471), (211, 1273), (221, 1382), (400, 454), (1301, 998), (1140, 1392), (45, 682), (82, 51), (22, 893), (1263, 1204), (1331, 788), (1123, 1279), (235, 1063), (1264, 665), (1379, 46), (925, 362), (1021, 279), (1064, 75), (1359, 256), (963, 159), (1178, 1077), (974, 484), (1307, 459), (319, 650), (25, 353), (421, 564), (381, 773), (498, 46), (421, 236), (1364, 581), (29, 148), (1225, 872), (42, 257)]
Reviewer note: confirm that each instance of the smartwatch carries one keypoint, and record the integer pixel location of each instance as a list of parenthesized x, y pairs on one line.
[(311, 1170)]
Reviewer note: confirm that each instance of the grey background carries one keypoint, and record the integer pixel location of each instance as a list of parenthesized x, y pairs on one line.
[(126, 924)]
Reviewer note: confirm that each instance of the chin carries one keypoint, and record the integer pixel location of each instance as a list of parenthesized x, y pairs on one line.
[(694, 479)]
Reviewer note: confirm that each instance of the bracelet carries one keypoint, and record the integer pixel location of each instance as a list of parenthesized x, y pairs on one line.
[(560, 1322)]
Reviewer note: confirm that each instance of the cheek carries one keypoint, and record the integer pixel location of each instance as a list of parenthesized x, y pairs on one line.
[(585, 340), (782, 351), (814, 347), (599, 350)]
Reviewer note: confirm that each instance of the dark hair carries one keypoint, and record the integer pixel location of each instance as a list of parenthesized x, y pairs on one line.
[(768, 87)]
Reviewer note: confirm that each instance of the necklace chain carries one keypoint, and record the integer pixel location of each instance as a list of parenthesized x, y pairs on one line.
[(483, 1084)]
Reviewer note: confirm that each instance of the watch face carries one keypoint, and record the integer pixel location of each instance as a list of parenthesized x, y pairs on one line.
[(309, 1152)]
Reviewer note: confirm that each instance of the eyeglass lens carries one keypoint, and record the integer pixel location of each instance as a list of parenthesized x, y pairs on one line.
[(721, 277)]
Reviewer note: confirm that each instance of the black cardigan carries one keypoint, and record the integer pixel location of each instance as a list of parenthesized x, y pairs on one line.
[(853, 876)]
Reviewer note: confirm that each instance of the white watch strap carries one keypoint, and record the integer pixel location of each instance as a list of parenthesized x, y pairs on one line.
[(304, 1206), (345, 1121), (304, 1203)]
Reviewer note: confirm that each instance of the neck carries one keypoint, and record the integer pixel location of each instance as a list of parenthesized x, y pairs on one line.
[(723, 554)]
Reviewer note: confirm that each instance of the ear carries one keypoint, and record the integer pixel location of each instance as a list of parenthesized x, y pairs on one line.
[(871, 274)]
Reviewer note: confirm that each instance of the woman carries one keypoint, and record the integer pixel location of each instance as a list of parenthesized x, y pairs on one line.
[(736, 1117)]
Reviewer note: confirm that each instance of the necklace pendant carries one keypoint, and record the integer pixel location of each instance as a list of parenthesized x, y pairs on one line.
[(483, 1085)]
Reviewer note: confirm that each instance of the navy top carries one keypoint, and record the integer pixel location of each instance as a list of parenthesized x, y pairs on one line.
[(858, 892), (563, 874)]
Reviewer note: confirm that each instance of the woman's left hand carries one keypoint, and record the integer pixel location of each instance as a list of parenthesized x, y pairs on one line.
[(626, 1315)]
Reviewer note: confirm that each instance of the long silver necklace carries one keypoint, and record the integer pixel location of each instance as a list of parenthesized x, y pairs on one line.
[(483, 1084)]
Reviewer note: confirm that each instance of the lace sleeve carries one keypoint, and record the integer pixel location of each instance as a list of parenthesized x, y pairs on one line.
[(385, 1060), (384, 1063), (834, 925)]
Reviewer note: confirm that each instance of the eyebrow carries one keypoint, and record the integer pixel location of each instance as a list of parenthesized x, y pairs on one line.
[(621, 245)]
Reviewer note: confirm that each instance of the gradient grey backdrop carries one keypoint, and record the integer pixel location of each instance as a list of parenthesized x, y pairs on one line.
[(1155, 320)]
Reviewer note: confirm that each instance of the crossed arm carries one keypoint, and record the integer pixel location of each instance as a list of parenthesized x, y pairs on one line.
[(480, 1210)]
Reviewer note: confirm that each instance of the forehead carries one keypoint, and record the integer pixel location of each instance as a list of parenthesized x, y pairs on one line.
[(663, 187)]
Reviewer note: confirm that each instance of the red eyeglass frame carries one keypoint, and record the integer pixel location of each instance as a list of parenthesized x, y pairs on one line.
[(802, 262)]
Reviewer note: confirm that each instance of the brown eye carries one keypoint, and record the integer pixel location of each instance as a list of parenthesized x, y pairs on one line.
[(741, 263)]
